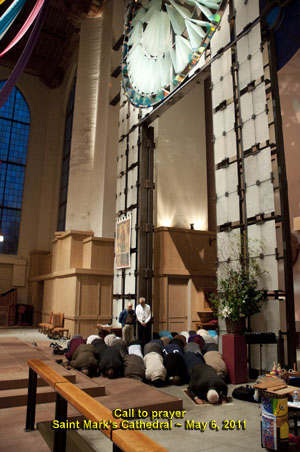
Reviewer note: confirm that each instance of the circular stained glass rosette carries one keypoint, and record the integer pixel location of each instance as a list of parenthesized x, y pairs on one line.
[(163, 41)]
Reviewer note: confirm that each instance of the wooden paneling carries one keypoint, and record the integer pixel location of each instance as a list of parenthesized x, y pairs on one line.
[(182, 253), (89, 295), (185, 252), (87, 327), (71, 325), (5, 277), (177, 304), (66, 295), (80, 284), (76, 251), (68, 250), (35, 263), (198, 300), (35, 299), (54, 255), (98, 253), (159, 303), (49, 296), (105, 305), (46, 264)]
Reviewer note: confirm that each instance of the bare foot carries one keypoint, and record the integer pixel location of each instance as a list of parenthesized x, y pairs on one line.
[(199, 401)]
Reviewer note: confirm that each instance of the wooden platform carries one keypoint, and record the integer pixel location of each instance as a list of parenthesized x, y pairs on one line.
[(127, 393), (123, 393), (14, 355)]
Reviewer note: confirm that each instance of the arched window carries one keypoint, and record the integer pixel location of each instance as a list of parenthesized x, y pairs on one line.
[(14, 134), (64, 183)]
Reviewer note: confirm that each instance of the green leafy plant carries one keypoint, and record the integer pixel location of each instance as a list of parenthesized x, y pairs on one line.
[(237, 295)]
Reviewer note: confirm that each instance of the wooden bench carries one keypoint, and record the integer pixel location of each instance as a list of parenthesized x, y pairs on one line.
[(60, 332), (43, 326), (91, 409), (55, 327)]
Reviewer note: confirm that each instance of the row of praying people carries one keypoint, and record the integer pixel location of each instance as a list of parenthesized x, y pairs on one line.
[(191, 358)]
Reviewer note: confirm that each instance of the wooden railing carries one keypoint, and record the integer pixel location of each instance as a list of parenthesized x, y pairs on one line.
[(91, 409)]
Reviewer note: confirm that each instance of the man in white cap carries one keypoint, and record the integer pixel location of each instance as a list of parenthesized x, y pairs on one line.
[(206, 385)]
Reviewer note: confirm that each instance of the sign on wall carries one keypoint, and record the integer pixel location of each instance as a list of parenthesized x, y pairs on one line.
[(123, 242)]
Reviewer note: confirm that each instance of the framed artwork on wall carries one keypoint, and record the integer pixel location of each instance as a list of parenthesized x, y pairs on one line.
[(123, 242)]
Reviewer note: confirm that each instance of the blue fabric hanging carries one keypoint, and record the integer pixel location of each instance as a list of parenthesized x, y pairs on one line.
[(23, 60), (9, 16), (286, 16)]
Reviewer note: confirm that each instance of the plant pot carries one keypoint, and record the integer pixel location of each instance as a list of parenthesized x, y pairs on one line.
[(235, 326)]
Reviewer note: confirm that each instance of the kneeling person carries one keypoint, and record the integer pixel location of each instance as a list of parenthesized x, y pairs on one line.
[(84, 359), (111, 363), (155, 370), (205, 385)]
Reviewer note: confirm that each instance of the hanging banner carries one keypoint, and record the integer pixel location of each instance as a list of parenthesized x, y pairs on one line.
[(122, 247)]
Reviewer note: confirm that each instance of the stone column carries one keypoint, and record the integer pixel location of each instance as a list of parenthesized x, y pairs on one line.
[(105, 150), (88, 147)]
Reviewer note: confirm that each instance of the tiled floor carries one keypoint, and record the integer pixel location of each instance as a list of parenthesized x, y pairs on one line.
[(178, 439)]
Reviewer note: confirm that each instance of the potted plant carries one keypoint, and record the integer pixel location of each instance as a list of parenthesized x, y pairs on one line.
[(237, 296)]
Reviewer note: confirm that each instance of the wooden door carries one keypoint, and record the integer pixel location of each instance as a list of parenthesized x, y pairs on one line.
[(177, 304)]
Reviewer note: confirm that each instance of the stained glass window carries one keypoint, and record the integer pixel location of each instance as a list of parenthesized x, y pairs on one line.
[(14, 134), (66, 160), (163, 42)]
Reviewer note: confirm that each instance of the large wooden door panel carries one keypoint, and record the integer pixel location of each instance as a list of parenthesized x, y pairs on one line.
[(177, 303)]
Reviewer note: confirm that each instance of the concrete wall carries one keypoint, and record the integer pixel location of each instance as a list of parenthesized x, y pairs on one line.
[(180, 164), (289, 85), (42, 176)]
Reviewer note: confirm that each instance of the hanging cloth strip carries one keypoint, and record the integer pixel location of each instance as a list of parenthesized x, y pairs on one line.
[(27, 24), (18, 69), (10, 15)]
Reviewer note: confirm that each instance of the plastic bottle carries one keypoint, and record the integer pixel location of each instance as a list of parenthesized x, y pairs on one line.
[(296, 397)]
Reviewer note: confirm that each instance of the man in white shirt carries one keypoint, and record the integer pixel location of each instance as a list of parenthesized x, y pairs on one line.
[(143, 315)]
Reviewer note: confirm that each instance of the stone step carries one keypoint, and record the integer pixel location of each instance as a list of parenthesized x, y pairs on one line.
[(75, 442), (14, 355), (45, 394), (12, 380)]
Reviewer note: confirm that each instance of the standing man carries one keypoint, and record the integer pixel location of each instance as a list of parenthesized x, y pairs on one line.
[(143, 314), (127, 318)]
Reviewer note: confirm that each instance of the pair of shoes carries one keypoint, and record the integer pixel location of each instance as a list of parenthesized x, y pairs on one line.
[(53, 344), (67, 366), (35, 344), (59, 351), (59, 361)]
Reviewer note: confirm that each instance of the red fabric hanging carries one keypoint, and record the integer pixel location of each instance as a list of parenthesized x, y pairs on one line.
[(27, 24)]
